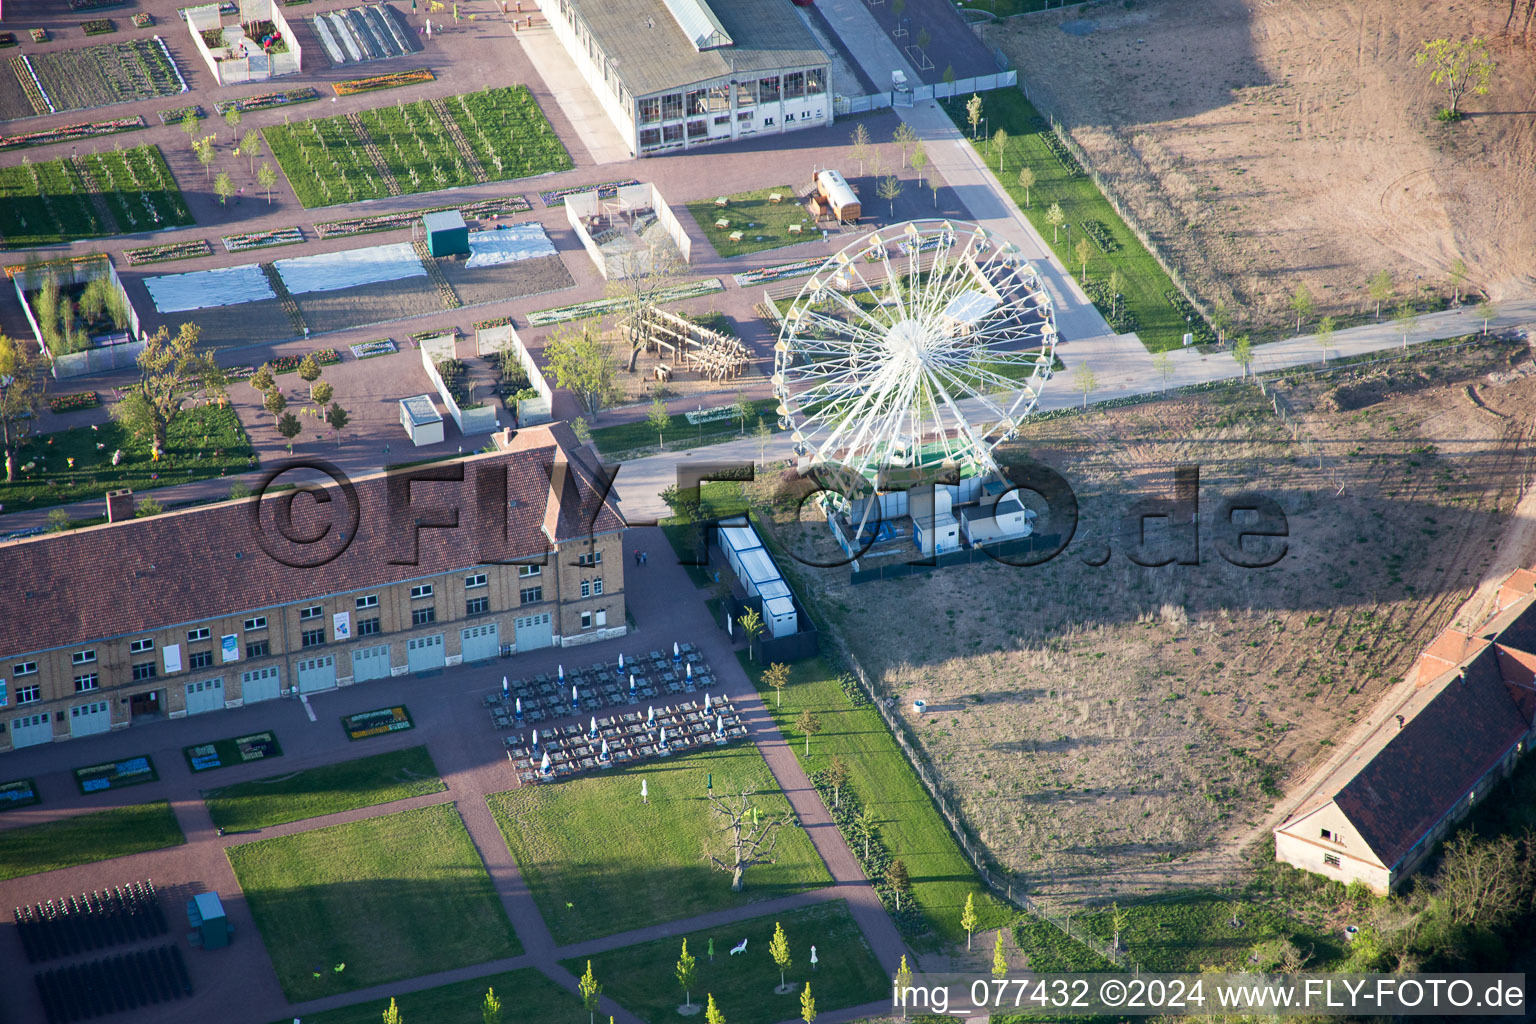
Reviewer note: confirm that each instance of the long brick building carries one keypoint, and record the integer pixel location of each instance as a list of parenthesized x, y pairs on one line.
[(305, 590)]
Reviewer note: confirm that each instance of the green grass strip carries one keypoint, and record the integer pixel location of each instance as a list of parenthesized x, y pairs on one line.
[(525, 995), (87, 838), (329, 789)]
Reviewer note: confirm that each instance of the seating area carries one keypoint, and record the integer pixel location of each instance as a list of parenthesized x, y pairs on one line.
[(114, 984), (548, 755), (98, 920), (627, 680)]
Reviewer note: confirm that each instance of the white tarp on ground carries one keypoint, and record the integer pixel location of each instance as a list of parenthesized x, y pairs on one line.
[(205, 289), (349, 268), (504, 245)]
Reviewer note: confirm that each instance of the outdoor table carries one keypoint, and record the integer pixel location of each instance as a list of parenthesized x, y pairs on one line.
[(775, 198), (794, 229), (655, 655), (722, 201), (686, 648)]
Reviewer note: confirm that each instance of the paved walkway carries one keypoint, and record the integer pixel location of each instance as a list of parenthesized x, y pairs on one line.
[(239, 983)]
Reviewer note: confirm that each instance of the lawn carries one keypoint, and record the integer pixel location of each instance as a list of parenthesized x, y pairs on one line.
[(329, 789), (327, 161), (525, 995), (391, 897), (881, 779), (640, 978), (45, 203), (1146, 285), (623, 440), (1191, 933), (763, 224), (209, 431), (139, 189), (598, 861), (101, 835)]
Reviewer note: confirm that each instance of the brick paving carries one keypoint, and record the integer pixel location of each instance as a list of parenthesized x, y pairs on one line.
[(239, 983)]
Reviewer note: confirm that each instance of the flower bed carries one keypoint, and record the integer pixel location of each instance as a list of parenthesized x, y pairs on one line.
[(168, 252), (1096, 230), (267, 100), (74, 402), (1059, 150), (486, 208), (710, 415), (39, 35), (93, 5), (1121, 319), (783, 272), (143, 19), (71, 132), (104, 73), (288, 364), (495, 321), (7, 39), (263, 239), (602, 307), (377, 347), (376, 82), (606, 190), (98, 26), (176, 115), (421, 336)]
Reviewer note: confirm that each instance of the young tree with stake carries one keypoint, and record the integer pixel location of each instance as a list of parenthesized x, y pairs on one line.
[(889, 189), (920, 161), (1163, 364), (968, 919), (266, 177), (764, 434), (490, 1008), (337, 417), (250, 146), (837, 777), (686, 972), (809, 724), (1458, 276), (1380, 289), (1301, 304), (751, 623), (223, 187), (778, 948), (712, 1014), (807, 1005), (999, 957), (1000, 145), (289, 426), (903, 982), (1486, 311), (1055, 218), (203, 149), (1242, 351), (865, 828), (1324, 336), (1407, 320), (590, 990), (1086, 382), (904, 136), (743, 407), (897, 878), (859, 142), (660, 420), (1026, 182), (777, 676), (232, 118), (1084, 250), (973, 113)]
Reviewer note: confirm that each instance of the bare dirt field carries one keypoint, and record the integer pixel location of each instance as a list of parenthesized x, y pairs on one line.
[(1119, 729), (1270, 143)]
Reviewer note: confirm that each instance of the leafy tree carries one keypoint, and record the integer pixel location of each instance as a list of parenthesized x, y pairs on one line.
[(250, 147), (223, 187), (865, 828), (1084, 250), (751, 623), (1116, 286), (776, 676), (203, 149), (309, 369), (337, 417), (1163, 364), (764, 434), (1221, 322), (1324, 336), (807, 1005), (903, 981), (744, 408), (266, 177), (809, 724), (490, 1008), (889, 189), (1242, 351), (238, 490), (1087, 380), (21, 394), (275, 403), (949, 74), (904, 136), (973, 113), (643, 279), (581, 429), (712, 1014), (999, 957), (147, 507), (659, 419), (169, 369), (320, 392), (1301, 304), (392, 1014), (1486, 310), (778, 948), (1000, 146), (590, 990), (1118, 918), (582, 367), (1459, 67), (263, 379), (924, 37), (859, 140), (1026, 182), (1055, 218), (232, 118), (1407, 320), (289, 426), (920, 160), (897, 878), (189, 125), (898, 7), (968, 919), (837, 777), (1458, 276), (1380, 289), (752, 838), (686, 971)]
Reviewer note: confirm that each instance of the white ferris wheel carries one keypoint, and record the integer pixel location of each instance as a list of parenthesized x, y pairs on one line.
[(920, 345)]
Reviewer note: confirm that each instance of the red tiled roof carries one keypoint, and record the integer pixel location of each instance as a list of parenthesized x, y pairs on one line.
[(203, 563), (1449, 649), (1520, 631)]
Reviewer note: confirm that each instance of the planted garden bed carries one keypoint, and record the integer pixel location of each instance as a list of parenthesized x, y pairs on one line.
[(486, 208), (98, 27), (94, 76), (602, 307), (74, 402), (176, 115), (72, 132), (168, 252), (375, 348), (373, 83), (605, 190), (267, 100), (263, 239), (139, 189), (288, 364)]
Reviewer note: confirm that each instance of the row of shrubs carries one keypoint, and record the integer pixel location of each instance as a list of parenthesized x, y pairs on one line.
[(1121, 319), (1096, 230), (1197, 325), (1063, 155), (845, 808)]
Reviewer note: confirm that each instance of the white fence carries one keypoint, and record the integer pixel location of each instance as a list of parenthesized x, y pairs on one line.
[(493, 340), (256, 66), (630, 199), (107, 352), (470, 421), (845, 105)]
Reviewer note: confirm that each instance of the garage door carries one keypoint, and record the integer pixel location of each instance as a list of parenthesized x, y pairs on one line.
[(261, 684), (370, 663), (480, 642), (30, 730), (317, 674), (205, 695), (86, 719), (534, 631), (425, 653)]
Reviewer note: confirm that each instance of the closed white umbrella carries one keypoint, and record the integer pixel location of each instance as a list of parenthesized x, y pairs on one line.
[(544, 764)]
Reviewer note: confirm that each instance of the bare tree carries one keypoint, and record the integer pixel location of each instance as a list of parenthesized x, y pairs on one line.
[(1483, 880), (641, 278), (751, 838)]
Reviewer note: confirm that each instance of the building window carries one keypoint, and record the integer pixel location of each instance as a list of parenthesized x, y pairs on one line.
[(794, 85), (83, 657), (29, 694), (590, 558), (767, 122), (531, 595), (723, 119), (144, 670), (698, 129), (745, 117), (1327, 834), (314, 611), (815, 83), (586, 588), (698, 102), (368, 627), (768, 89), (255, 622), (525, 571), (368, 601), (313, 637), (597, 586), (140, 646), (671, 133), (477, 606), (200, 659), (746, 94), (650, 137), (86, 683), (421, 590), (423, 616), (477, 580), (672, 106), (650, 110), (24, 668), (586, 620), (602, 617), (258, 649), (1331, 859), (202, 633)]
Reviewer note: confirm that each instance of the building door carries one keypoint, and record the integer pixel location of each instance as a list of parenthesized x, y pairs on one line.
[(425, 653), (480, 642), (30, 730), (146, 707), (317, 673), (261, 684), (88, 719), (370, 663), (206, 695), (534, 631)]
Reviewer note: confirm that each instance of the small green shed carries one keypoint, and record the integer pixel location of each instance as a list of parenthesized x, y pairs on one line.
[(205, 914), (447, 234)]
